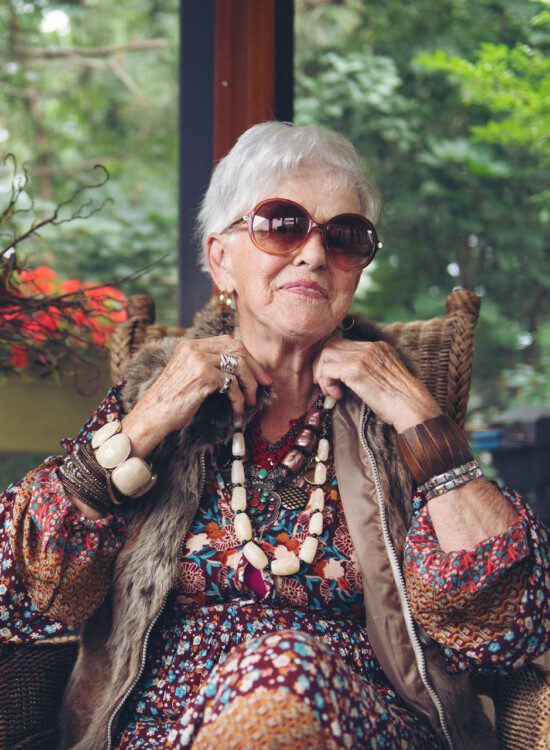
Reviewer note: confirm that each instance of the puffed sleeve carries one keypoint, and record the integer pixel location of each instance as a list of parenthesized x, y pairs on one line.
[(488, 608), (54, 558)]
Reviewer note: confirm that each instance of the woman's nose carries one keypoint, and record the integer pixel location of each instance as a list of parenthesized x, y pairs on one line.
[(312, 252)]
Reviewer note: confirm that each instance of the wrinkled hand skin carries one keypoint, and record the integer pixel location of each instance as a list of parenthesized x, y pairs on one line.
[(374, 372), (191, 375)]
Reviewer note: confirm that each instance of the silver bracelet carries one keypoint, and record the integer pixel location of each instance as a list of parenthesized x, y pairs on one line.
[(433, 482), (452, 484)]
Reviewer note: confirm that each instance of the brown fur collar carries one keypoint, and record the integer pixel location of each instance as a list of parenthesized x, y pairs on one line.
[(113, 639)]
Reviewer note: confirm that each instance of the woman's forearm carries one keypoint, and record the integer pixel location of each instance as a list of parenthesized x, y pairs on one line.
[(469, 514)]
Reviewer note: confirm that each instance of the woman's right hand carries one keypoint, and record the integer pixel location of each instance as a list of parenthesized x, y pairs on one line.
[(192, 374)]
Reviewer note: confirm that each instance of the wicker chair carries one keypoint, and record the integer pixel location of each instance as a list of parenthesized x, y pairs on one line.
[(32, 677)]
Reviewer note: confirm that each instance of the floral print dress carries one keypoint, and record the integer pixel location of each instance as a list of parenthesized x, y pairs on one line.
[(243, 662), (236, 644)]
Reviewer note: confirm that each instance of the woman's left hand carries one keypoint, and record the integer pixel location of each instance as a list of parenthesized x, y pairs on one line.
[(374, 372)]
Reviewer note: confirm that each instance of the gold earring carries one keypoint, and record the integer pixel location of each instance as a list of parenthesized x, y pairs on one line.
[(226, 300)]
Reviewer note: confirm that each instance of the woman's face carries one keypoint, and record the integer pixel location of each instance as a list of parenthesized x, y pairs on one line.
[(270, 291)]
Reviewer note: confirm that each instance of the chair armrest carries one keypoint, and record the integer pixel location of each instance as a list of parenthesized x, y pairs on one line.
[(522, 706), (32, 681)]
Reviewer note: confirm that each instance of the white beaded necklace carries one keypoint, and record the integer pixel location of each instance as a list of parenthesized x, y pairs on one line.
[(289, 563)]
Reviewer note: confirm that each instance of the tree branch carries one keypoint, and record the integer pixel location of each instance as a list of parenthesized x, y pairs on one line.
[(54, 218), (71, 52)]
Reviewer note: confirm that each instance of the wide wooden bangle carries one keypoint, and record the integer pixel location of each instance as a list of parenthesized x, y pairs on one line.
[(433, 447)]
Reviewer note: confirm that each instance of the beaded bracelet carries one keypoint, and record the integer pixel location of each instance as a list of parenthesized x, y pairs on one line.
[(82, 478)]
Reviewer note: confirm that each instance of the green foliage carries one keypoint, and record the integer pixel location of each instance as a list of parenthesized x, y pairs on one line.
[(511, 82), (461, 206), (83, 95)]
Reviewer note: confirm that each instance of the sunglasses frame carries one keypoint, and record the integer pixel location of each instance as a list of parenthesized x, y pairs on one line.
[(248, 219)]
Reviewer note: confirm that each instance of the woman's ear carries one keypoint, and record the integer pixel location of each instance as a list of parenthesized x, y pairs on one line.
[(219, 262)]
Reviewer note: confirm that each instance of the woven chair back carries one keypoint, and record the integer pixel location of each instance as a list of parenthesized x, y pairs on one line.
[(442, 346)]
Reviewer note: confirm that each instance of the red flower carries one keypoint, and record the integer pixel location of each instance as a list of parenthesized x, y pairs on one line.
[(86, 316), (41, 279), (70, 286), (98, 337), (19, 357)]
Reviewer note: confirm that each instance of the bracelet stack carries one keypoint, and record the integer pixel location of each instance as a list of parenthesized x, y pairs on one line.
[(433, 447), (131, 476), (438, 456), (102, 474), (83, 478), (449, 480)]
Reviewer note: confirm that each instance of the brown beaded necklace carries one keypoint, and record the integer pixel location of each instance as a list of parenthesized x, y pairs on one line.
[(309, 442)]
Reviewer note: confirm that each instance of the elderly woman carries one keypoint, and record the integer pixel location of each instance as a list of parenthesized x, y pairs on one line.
[(259, 531)]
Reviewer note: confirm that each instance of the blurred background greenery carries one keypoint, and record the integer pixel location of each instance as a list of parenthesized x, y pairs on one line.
[(94, 81), (447, 101)]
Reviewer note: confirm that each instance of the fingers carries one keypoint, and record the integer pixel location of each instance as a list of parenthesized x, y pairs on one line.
[(247, 375), (229, 345), (244, 377), (330, 387), (234, 394)]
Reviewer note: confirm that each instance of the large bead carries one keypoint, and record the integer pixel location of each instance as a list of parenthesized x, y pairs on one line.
[(329, 402), (320, 476), (243, 527), (317, 499), (323, 449), (105, 432), (113, 451), (238, 447), (316, 523), (255, 555), (146, 488), (294, 460), (314, 419), (306, 440), (308, 550), (132, 475), (237, 472), (285, 566), (238, 499)]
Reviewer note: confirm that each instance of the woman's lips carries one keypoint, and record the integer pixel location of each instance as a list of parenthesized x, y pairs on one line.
[(306, 289)]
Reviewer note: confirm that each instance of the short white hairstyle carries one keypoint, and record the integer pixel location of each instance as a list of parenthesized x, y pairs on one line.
[(264, 156)]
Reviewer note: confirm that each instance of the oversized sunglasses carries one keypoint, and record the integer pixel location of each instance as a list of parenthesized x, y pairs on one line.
[(279, 226)]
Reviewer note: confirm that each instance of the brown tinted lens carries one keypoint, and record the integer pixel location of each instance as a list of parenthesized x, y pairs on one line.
[(351, 241), (279, 227)]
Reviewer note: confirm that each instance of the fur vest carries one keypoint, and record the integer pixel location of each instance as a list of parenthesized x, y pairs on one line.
[(376, 491)]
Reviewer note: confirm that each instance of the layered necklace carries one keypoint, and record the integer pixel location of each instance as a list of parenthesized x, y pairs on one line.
[(274, 484)]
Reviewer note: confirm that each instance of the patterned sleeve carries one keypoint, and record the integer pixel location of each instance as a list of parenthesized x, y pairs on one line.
[(55, 561), (487, 608)]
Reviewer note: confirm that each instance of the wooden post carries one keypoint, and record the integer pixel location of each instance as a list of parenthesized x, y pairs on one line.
[(249, 67), (236, 70)]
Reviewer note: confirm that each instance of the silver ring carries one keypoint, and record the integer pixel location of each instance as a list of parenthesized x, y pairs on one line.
[(228, 363), (226, 384)]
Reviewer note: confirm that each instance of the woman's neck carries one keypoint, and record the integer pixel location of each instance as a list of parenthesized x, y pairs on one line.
[(290, 364)]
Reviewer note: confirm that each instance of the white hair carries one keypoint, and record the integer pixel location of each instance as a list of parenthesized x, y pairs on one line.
[(265, 155)]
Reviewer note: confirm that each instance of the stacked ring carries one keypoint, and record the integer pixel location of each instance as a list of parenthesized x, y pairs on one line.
[(226, 384), (228, 363)]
